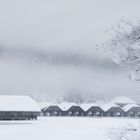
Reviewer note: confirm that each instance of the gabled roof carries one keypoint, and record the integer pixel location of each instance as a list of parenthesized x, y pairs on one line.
[(52, 107), (109, 105), (66, 106), (123, 100), (18, 103), (86, 106), (129, 106), (46, 104)]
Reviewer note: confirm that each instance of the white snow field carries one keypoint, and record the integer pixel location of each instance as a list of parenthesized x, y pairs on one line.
[(67, 128)]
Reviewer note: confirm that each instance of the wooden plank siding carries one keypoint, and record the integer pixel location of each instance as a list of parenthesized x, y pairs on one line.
[(115, 112), (52, 111), (95, 111), (13, 115), (133, 112), (75, 111)]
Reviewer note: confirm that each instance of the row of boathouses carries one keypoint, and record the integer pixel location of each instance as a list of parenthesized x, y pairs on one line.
[(14, 107), (110, 109)]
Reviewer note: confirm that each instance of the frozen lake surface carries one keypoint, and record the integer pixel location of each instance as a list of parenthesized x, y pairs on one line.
[(65, 128)]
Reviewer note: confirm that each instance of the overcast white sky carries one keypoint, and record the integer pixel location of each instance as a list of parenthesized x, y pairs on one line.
[(73, 26)]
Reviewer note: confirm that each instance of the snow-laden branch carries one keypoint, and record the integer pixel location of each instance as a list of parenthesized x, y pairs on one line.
[(124, 46)]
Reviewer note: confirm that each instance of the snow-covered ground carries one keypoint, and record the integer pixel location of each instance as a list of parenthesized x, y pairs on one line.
[(66, 128)]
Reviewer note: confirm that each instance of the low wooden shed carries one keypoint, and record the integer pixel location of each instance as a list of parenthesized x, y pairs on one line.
[(132, 110), (65, 107), (71, 109), (52, 110), (113, 110), (75, 111), (92, 109), (13, 107)]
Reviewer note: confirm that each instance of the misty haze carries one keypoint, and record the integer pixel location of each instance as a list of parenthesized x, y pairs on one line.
[(49, 49), (77, 59)]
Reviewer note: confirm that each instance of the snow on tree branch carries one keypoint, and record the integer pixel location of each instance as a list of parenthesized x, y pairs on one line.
[(124, 46)]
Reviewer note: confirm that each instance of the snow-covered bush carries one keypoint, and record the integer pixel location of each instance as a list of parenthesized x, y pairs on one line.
[(127, 133)]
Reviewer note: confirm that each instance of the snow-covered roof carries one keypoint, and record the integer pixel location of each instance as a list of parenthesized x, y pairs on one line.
[(86, 106), (129, 106), (123, 100), (46, 104), (18, 103), (107, 106), (66, 106)]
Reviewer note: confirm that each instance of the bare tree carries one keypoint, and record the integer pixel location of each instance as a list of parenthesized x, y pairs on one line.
[(124, 46)]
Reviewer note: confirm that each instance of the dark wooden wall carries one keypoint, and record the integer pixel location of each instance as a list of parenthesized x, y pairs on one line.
[(13, 115)]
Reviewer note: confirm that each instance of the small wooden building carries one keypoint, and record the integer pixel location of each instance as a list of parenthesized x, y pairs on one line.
[(18, 108), (65, 107), (113, 110), (92, 109), (95, 111), (52, 110), (75, 111), (132, 110), (71, 109)]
